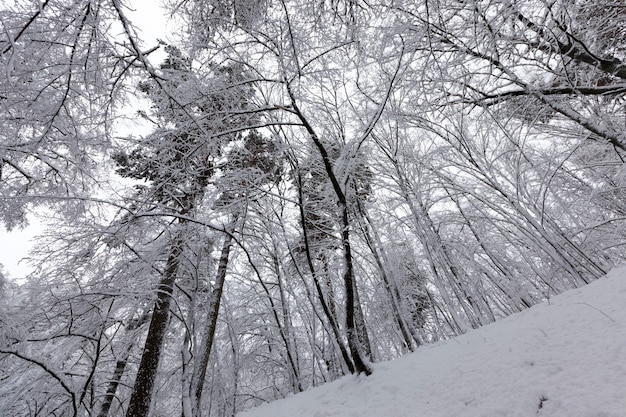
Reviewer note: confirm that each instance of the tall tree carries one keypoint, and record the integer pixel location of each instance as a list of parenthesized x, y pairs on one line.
[(178, 160)]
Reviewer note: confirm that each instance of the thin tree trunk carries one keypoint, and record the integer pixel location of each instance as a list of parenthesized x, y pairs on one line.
[(332, 332), (361, 365), (120, 367), (325, 306), (288, 339), (459, 324), (211, 324), (361, 326), (517, 297), (411, 341)]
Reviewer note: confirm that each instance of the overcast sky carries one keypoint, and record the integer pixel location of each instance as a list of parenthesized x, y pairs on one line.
[(13, 247)]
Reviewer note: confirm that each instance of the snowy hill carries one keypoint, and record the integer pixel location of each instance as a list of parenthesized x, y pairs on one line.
[(565, 358)]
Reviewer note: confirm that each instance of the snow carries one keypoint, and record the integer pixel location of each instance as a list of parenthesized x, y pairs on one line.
[(562, 358)]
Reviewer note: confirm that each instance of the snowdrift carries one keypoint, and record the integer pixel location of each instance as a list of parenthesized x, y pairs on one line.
[(562, 358)]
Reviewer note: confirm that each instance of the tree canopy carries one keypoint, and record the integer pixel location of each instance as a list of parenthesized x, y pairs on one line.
[(318, 185)]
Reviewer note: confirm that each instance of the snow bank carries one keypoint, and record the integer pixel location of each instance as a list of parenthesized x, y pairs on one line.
[(565, 358)]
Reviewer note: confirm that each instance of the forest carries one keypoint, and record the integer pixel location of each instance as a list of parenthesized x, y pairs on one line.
[(293, 190)]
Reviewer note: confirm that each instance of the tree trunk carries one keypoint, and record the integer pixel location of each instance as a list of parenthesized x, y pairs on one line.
[(332, 319), (294, 373), (199, 372), (409, 336), (361, 365), (141, 397), (120, 367), (361, 326)]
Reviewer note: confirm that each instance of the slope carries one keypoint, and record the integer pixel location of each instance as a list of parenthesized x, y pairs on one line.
[(562, 358)]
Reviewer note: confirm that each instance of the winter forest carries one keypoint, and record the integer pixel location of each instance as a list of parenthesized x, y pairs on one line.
[(293, 190)]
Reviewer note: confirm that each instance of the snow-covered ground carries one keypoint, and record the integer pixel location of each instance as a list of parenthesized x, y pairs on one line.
[(565, 358)]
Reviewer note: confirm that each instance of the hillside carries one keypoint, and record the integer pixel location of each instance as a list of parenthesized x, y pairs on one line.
[(565, 358)]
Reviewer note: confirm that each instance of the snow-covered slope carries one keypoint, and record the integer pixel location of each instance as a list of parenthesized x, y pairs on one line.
[(566, 358)]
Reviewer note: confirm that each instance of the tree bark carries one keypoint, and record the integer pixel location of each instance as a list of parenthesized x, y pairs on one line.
[(361, 364), (332, 319), (141, 397)]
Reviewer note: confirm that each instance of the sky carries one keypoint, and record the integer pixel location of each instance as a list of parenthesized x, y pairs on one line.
[(151, 20), (14, 248), (562, 358)]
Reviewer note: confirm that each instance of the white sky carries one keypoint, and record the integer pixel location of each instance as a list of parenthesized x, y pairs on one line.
[(13, 248), (151, 21)]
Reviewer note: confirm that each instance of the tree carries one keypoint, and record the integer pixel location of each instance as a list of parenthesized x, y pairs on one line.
[(324, 184), (62, 75), (178, 159), (576, 69)]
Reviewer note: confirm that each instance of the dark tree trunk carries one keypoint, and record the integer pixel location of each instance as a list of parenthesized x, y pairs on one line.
[(361, 365), (141, 397), (120, 366), (326, 306)]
